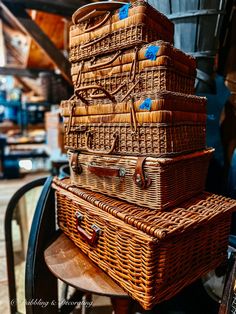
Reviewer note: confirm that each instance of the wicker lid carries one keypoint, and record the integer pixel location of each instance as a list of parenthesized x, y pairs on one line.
[(96, 8), (196, 212)]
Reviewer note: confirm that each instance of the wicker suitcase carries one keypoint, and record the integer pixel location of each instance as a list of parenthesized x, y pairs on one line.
[(132, 24), (154, 67), (161, 124), (152, 255), (156, 183)]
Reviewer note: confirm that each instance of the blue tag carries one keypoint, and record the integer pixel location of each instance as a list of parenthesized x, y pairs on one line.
[(146, 105), (151, 52), (124, 11)]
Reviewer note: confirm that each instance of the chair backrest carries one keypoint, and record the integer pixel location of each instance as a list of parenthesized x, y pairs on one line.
[(9, 238), (40, 284), (228, 302)]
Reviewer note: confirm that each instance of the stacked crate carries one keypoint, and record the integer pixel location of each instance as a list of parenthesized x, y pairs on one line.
[(136, 133)]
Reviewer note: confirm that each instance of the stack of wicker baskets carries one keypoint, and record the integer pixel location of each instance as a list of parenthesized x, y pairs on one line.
[(136, 133)]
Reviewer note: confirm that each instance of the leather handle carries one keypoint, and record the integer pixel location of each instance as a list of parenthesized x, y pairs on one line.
[(74, 163), (103, 21), (91, 87), (102, 64), (139, 177), (90, 239), (106, 172), (100, 152)]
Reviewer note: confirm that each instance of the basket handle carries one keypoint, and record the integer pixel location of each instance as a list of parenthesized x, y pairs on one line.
[(102, 64), (70, 119), (106, 172), (103, 21), (100, 152), (94, 41), (90, 239), (130, 90), (96, 96), (97, 87), (133, 65), (139, 177), (133, 119)]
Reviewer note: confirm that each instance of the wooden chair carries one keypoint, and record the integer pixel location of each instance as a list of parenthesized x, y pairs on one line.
[(51, 255)]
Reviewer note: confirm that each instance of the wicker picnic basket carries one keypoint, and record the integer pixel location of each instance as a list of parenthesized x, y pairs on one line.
[(133, 24), (158, 124), (151, 254), (154, 67), (156, 183)]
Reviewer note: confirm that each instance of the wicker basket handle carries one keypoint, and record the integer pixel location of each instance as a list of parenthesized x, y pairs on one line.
[(106, 172), (90, 239), (96, 96), (95, 41), (70, 119), (103, 21), (96, 87), (100, 152), (139, 177), (102, 64)]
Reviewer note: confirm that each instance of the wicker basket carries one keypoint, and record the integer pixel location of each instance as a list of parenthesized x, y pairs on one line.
[(158, 66), (152, 255), (156, 183), (140, 24), (119, 87), (155, 125), (150, 139)]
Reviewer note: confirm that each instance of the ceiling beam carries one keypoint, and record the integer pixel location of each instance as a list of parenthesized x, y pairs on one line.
[(33, 73), (35, 32), (62, 7)]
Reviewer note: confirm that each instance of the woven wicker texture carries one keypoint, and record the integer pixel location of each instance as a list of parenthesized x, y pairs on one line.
[(145, 57), (158, 101), (157, 59), (173, 180), (149, 139), (156, 124), (82, 26), (150, 80), (152, 255), (142, 25)]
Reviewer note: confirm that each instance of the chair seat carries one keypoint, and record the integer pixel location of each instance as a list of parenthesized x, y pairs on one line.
[(68, 263)]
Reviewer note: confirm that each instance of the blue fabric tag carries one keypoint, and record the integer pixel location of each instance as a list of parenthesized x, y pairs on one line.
[(124, 11), (146, 105), (151, 52)]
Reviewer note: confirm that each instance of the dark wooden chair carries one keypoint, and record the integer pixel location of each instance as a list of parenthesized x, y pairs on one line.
[(10, 211), (51, 256), (228, 302)]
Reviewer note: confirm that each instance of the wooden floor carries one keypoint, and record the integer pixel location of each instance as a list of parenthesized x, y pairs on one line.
[(7, 189)]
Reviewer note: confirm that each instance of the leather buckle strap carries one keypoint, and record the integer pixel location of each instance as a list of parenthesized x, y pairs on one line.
[(74, 163), (139, 177)]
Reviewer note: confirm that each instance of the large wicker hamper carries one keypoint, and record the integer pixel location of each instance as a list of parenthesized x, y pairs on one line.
[(152, 255)]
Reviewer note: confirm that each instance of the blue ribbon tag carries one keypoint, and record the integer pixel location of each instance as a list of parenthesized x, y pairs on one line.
[(151, 52), (124, 11), (146, 105)]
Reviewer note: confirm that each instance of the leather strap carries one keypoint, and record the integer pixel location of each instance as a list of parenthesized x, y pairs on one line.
[(106, 172), (139, 177), (74, 163)]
